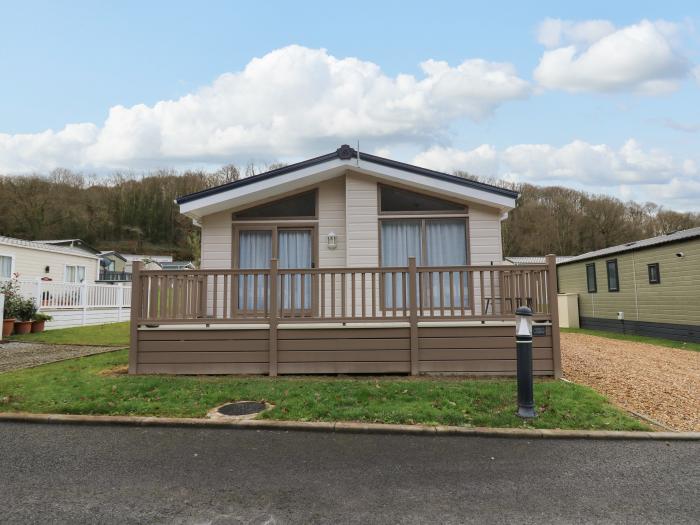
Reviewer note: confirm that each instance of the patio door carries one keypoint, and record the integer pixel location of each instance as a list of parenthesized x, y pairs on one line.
[(293, 247)]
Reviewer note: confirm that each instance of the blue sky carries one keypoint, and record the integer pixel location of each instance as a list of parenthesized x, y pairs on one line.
[(517, 108)]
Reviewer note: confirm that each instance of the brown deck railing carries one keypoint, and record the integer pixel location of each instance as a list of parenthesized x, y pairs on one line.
[(278, 295)]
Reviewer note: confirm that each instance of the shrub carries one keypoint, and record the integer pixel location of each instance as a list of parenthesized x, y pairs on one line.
[(12, 298), (40, 316), (25, 309)]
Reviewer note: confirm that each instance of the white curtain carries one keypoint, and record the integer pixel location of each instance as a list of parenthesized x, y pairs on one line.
[(295, 252), (446, 245), (5, 267), (254, 251), (400, 240), (75, 274)]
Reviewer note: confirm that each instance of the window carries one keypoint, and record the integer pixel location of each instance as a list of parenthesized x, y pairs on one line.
[(591, 278), (293, 247), (433, 242), (74, 274), (297, 206), (654, 274), (396, 200), (6, 266), (613, 280)]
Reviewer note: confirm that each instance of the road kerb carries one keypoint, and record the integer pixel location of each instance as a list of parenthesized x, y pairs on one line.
[(345, 427)]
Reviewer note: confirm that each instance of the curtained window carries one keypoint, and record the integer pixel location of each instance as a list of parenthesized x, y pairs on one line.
[(74, 274), (433, 242), (5, 267)]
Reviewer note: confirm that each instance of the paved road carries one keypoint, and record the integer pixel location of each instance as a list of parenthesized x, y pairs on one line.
[(99, 474)]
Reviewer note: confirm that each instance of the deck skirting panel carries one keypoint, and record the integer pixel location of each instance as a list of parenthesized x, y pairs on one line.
[(469, 350)]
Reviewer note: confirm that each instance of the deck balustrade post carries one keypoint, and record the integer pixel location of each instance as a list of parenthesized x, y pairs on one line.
[(84, 300), (120, 300), (37, 299), (554, 312), (413, 313), (273, 317), (134, 316)]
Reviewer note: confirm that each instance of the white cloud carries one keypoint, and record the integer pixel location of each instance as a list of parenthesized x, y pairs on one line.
[(289, 102), (696, 74), (644, 174), (595, 56), (553, 32), (479, 161)]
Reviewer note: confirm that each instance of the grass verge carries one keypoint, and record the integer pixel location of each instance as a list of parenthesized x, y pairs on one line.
[(98, 385), (113, 334), (695, 347)]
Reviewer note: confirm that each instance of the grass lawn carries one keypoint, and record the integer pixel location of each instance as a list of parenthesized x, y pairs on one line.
[(99, 385), (695, 347), (114, 334)]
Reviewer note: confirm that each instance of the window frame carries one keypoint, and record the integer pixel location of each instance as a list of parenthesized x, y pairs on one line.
[(617, 275), (12, 264), (423, 236), (464, 211), (658, 273), (241, 225), (76, 266), (595, 278), (423, 220)]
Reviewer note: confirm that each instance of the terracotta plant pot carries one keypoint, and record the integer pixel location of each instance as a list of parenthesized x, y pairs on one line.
[(8, 326), (23, 327), (38, 326)]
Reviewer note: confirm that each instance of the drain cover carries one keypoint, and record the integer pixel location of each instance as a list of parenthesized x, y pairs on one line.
[(242, 408)]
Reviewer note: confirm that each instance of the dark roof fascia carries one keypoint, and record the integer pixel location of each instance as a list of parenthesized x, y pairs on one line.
[(439, 175), (347, 153), (256, 178), (626, 249)]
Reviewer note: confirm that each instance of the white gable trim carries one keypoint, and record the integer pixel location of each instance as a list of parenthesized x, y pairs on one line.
[(272, 186)]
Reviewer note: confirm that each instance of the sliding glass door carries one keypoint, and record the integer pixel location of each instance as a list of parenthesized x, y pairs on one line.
[(293, 247)]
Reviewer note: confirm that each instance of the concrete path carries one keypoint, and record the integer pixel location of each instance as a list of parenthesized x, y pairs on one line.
[(15, 355), (107, 474)]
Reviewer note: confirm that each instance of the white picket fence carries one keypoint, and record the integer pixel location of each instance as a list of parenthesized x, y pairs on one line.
[(78, 304)]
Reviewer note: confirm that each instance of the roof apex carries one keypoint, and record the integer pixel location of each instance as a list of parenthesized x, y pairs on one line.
[(341, 156)]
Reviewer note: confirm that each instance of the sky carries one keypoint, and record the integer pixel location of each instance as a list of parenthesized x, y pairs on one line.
[(598, 96)]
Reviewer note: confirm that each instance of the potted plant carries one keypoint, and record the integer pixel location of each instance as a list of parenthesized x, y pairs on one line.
[(39, 321), (26, 309), (8, 316), (10, 289)]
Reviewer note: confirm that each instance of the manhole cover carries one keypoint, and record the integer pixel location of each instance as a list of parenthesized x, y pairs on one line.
[(242, 408)]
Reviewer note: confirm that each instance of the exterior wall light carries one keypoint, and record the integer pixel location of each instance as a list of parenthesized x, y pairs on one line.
[(332, 241), (523, 322)]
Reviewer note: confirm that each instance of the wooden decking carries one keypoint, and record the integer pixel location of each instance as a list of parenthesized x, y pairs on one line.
[(343, 320)]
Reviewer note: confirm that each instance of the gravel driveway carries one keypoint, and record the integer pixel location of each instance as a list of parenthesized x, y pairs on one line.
[(658, 382), (24, 355)]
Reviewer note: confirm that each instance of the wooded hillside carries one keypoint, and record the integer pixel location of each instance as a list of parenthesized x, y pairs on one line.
[(137, 214)]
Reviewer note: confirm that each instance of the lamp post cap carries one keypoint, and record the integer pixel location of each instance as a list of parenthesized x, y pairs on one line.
[(523, 310)]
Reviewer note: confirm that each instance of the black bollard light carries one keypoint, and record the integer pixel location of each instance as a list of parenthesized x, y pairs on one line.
[(523, 344)]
